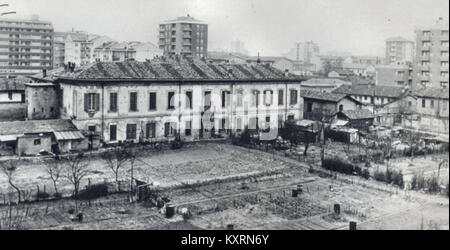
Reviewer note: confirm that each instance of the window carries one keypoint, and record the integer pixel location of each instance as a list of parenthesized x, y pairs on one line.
[(207, 100), (268, 97), (294, 95), (280, 121), (133, 101), (280, 97), (10, 95), (168, 129), (187, 129), (225, 99), (171, 100), (239, 98), (341, 108), (113, 102), (131, 131), (239, 124), (91, 102), (253, 123), (37, 141), (444, 64), (152, 101), (444, 73), (113, 132), (423, 103), (432, 103), (255, 98), (151, 130), (309, 107), (188, 99), (291, 118)]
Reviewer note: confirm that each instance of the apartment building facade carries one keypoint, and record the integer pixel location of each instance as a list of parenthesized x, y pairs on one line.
[(26, 47), (430, 68), (397, 74), (184, 36), (399, 49), (157, 100)]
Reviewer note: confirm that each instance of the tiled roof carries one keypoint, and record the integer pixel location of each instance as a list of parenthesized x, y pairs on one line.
[(324, 81), (369, 90), (432, 93), (35, 126), (324, 96), (160, 69), (12, 84), (358, 114)]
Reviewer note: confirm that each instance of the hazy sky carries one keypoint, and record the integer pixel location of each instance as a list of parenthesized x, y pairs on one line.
[(270, 27)]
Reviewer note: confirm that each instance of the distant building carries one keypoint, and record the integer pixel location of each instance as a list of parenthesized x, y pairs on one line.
[(430, 68), (372, 95), (317, 105), (26, 47), (184, 36), (79, 47), (363, 66), (399, 49), (12, 99), (59, 49), (146, 51), (399, 75), (238, 47), (323, 84)]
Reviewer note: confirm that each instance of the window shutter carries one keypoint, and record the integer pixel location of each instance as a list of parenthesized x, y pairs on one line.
[(86, 102), (97, 102)]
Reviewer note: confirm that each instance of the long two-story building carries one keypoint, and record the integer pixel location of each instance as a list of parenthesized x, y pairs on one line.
[(160, 100)]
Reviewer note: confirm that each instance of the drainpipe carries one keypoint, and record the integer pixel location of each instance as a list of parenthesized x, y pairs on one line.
[(103, 111), (179, 108), (285, 102)]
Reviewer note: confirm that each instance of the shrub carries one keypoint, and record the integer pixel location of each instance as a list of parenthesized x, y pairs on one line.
[(379, 176), (93, 192), (365, 174), (338, 166), (57, 195), (433, 185), (446, 189), (397, 179), (417, 182), (41, 195)]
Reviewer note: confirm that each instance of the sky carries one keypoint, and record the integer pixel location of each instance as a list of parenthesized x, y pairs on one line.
[(268, 27)]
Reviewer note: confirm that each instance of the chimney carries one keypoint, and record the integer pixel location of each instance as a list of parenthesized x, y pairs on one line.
[(286, 72)]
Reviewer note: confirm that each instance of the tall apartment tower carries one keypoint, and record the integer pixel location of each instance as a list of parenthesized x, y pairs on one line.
[(306, 51), (26, 47), (184, 36), (430, 67), (399, 50)]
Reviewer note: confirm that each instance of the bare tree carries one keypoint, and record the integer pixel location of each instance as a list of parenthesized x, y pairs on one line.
[(76, 170), (54, 170), (12, 216), (9, 168), (115, 160)]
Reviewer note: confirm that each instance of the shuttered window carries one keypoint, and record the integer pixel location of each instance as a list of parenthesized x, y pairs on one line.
[(171, 100), (151, 130), (280, 97), (91, 102), (133, 101), (113, 102), (131, 131), (152, 101), (294, 95), (188, 99)]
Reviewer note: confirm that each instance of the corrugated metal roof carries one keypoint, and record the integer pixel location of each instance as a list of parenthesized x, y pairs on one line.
[(68, 135)]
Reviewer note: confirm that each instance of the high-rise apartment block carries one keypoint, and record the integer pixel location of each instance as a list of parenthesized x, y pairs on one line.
[(184, 36), (26, 47), (399, 49), (430, 68)]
